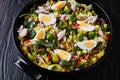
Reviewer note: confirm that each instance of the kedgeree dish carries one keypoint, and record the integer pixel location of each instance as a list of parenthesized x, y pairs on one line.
[(63, 36)]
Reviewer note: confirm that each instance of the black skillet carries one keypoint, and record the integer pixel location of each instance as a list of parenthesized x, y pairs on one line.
[(37, 72)]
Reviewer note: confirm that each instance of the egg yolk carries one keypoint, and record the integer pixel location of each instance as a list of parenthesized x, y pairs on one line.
[(40, 35), (83, 24), (63, 55), (45, 18), (89, 43), (60, 5)]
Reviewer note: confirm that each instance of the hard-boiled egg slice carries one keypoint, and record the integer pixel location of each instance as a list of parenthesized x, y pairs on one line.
[(85, 26), (59, 5), (88, 44), (63, 55), (40, 34), (47, 19)]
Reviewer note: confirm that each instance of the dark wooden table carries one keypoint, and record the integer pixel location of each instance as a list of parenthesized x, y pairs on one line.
[(109, 69)]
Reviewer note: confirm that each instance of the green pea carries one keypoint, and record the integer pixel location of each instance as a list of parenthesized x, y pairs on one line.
[(72, 18), (62, 25), (104, 27), (91, 35), (50, 36)]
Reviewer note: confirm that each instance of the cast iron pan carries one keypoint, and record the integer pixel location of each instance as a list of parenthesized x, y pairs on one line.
[(37, 72)]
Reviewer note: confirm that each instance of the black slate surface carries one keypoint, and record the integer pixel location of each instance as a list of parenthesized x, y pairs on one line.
[(109, 69)]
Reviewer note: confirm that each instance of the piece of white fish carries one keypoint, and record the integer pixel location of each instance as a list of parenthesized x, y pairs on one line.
[(61, 34), (22, 31), (91, 19), (73, 4)]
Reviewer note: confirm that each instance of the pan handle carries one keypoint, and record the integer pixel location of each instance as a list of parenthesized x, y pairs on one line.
[(20, 63)]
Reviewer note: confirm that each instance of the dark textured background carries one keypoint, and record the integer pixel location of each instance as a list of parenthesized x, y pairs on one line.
[(109, 69)]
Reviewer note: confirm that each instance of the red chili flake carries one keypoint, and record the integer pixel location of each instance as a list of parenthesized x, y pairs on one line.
[(75, 25), (77, 62), (108, 36), (27, 41), (50, 56), (37, 21), (87, 56)]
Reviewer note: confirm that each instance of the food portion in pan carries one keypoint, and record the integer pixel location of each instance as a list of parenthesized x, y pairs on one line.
[(63, 36)]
